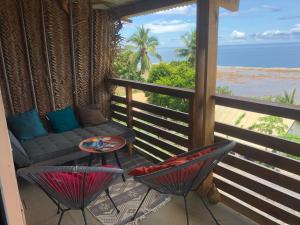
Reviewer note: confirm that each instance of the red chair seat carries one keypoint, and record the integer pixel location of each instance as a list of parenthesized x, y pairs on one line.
[(178, 176), (71, 184)]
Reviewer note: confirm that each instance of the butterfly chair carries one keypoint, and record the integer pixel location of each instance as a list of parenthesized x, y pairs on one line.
[(183, 173), (74, 187)]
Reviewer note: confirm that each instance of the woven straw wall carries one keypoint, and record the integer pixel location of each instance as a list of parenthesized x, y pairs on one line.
[(54, 54)]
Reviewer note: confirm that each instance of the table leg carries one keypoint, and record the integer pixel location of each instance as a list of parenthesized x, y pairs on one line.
[(119, 164), (90, 159), (103, 159)]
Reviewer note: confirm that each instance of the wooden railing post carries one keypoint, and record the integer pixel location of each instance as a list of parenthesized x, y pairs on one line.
[(191, 123), (129, 112), (205, 82)]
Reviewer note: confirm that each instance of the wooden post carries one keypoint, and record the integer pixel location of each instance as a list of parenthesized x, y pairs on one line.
[(191, 124), (8, 182), (206, 69), (129, 112)]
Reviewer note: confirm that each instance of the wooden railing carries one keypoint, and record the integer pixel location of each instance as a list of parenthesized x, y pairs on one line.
[(161, 132), (263, 184)]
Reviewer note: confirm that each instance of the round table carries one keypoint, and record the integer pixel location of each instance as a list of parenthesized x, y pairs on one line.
[(111, 144)]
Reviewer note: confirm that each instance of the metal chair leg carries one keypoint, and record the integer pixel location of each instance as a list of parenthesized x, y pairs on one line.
[(140, 204), (61, 216), (186, 211), (119, 164), (210, 212), (84, 217), (58, 208), (107, 193)]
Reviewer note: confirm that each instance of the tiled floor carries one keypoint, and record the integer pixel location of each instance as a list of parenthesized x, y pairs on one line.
[(39, 210)]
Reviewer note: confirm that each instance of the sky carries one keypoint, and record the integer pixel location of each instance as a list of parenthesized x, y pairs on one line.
[(256, 22)]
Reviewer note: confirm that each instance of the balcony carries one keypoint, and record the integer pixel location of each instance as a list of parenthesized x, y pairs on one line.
[(56, 54), (257, 179)]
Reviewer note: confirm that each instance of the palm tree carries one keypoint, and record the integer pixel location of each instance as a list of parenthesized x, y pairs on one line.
[(189, 52), (287, 98), (144, 45)]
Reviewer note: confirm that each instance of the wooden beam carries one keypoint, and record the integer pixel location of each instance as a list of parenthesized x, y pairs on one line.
[(205, 81), (148, 6), (232, 5), (206, 69), (13, 209)]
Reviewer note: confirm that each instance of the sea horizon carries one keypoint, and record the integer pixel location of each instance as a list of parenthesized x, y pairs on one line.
[(254, 70), (275, 55)]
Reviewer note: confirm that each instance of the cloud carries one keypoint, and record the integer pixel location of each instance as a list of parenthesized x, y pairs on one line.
[(271, 8), (278, 34), (238, 35), (291, 17), (181, 10), (251, 11), (169, 26)]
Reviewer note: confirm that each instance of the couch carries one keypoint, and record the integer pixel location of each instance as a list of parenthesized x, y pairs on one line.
[(59, 148)]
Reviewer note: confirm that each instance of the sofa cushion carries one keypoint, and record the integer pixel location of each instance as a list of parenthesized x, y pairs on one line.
[(90, 115), (63, 120), (56, 145), (26, 125), (20, 157)]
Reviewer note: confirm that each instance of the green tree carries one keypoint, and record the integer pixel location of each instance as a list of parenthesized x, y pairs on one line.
[(269, 125), (189, 52), (225, 90), (174, 74), (124, 67), (145, 45)]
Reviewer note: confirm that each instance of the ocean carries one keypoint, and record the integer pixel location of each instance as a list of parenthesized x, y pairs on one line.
[(286, 55), (255, 70)]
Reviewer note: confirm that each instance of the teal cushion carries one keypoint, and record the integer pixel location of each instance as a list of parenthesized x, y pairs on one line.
[(63, 120), (26, 126)]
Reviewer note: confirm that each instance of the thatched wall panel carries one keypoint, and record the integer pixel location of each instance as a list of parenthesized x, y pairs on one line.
[(36, 52), (58, 34), (102, 66), (55, 48), (81, 11), (14, 57)]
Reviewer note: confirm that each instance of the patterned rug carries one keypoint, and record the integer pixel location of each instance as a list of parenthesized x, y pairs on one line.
[(127, 196)]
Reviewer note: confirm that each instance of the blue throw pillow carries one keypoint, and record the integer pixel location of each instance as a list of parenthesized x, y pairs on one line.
[(63, 120), (26, 126)]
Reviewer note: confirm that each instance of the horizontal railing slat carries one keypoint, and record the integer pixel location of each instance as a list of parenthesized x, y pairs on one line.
[(118, 99), (161, 144), (119, 117), (275, 143), (255, 216), (161, 133), (162, 89), (270, 158), (258, 187), (175, 115), (263, 172), (161, 122), (259, 106), (151, 149), (256, 202), (118, 109), (146, 154)]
